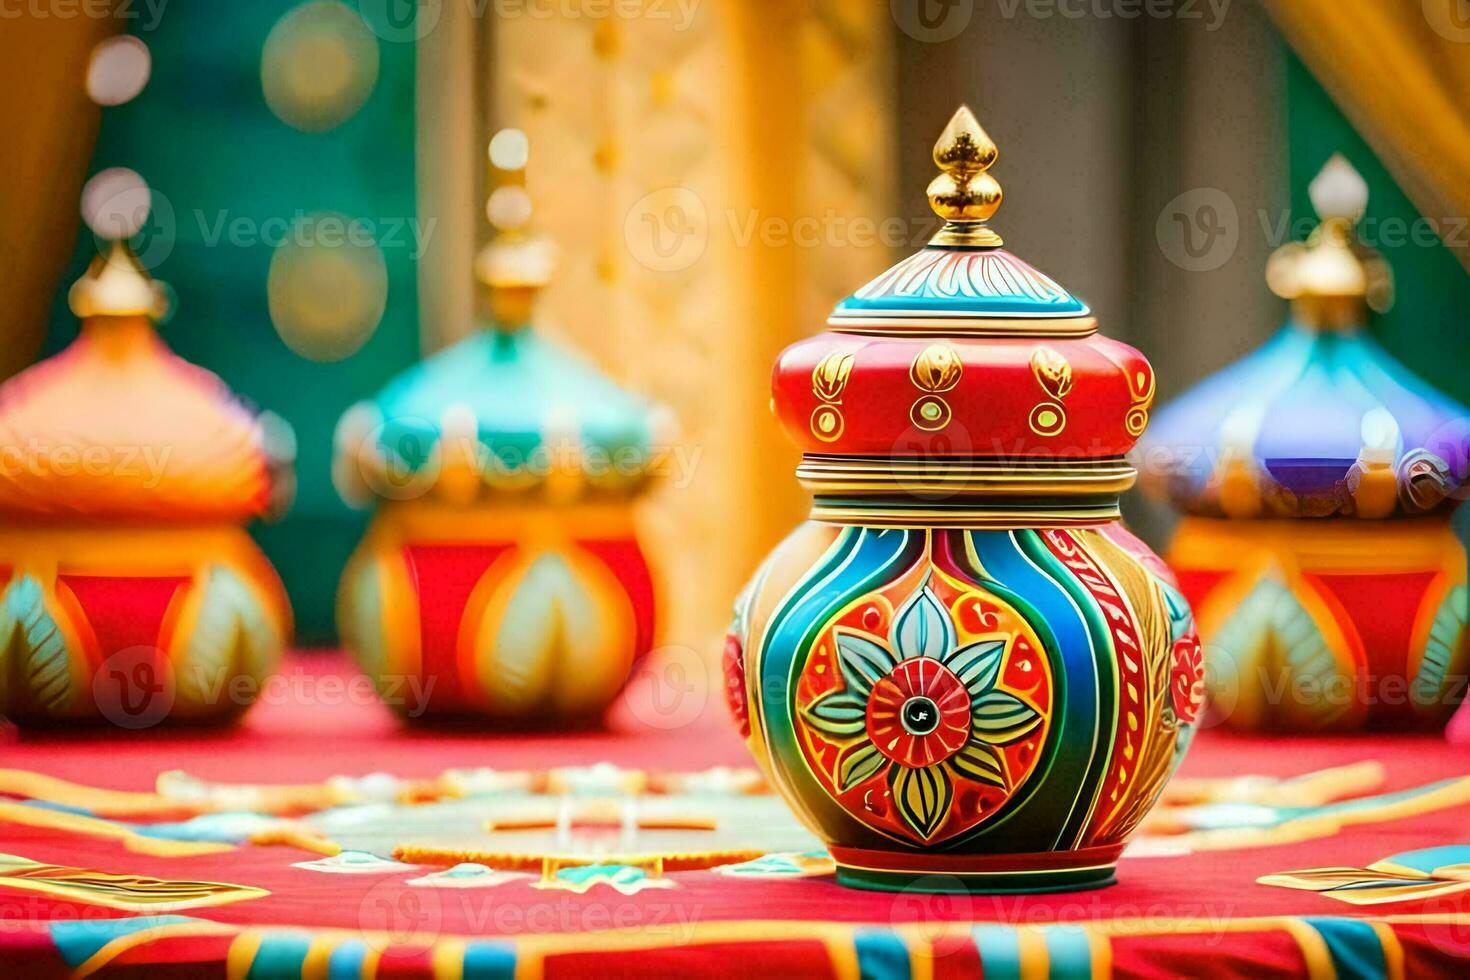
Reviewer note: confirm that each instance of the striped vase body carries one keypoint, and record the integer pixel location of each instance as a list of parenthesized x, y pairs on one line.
[(966, 709)]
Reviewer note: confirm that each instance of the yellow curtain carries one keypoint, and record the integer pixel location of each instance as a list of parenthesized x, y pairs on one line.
[(50, 129), (1400, 71)]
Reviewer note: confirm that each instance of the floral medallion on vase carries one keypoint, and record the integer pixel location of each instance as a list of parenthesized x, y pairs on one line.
[(924, 719)]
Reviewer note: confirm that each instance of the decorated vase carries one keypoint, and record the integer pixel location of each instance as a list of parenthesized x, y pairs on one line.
[(1317, 476), (131, 591), (963, 673), (502, 578)]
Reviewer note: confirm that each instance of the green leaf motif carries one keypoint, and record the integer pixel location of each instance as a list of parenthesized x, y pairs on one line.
[(978, 665), (232, 637), (922, 627), (1000, 718), (922, 796), (982, 763), (862, 662), (45, 662), (1271, 643), (861, 761), (1446, 639), (838, 715)]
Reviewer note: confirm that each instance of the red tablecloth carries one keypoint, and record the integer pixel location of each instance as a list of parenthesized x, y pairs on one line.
[(1198, 910)]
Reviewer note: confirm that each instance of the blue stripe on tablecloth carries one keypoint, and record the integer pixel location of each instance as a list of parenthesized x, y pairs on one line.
[(881, 955), (1357, 952)]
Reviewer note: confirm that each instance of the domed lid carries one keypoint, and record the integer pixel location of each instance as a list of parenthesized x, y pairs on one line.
[(963, 386), (118, 427), (1321, 420), (964, 273), (504, 410)]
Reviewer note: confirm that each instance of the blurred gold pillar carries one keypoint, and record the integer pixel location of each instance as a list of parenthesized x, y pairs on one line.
[(699, 166)]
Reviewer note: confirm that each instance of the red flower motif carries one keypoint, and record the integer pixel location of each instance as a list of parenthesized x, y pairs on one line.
[(919, 714), (733, 662), (1187, 678)]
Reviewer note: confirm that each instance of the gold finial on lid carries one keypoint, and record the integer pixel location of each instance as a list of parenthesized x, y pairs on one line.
[(515, 265), (1332, 276), (964, 195)]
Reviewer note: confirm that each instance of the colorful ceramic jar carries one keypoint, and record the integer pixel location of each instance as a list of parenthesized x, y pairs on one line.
[(132, 593), (1316, 476), (502, 576), (962, 673)]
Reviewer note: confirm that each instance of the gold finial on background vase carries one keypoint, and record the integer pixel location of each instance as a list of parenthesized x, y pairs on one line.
[(964, 194), (1332, 279), (116, 285), (515, 265)]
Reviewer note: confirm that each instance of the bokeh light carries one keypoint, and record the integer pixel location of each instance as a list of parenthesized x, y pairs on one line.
[(508, 208), (115, 203), (319, 65), (327, 287), (509, 149), (118, 70)]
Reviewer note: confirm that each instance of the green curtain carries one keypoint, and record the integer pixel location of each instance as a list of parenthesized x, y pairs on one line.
[(203, 137)]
